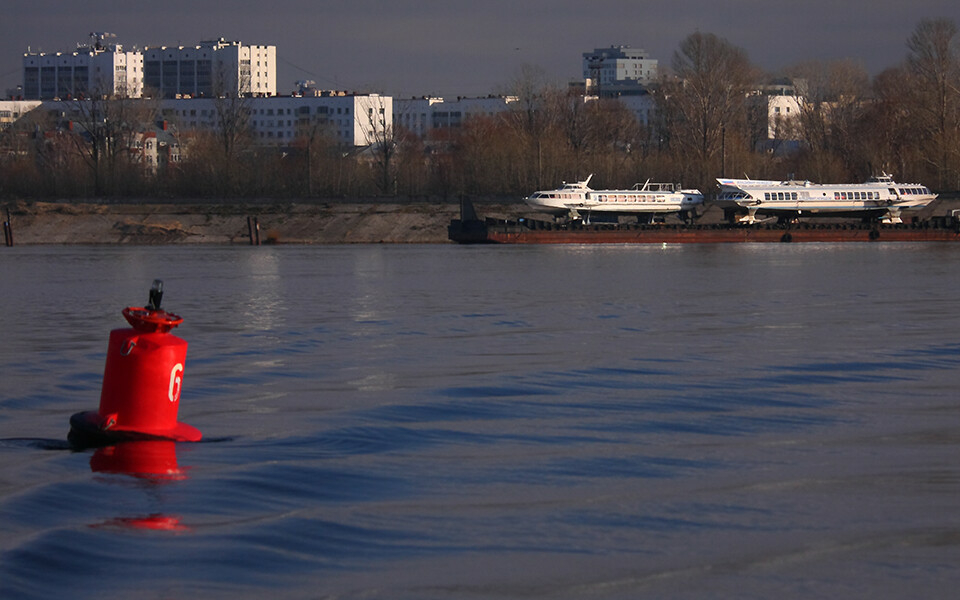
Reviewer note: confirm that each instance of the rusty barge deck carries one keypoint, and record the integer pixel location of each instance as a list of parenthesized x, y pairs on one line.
[(527, 231)]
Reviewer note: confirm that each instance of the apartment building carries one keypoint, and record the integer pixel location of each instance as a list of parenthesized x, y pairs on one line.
[(97, 69), (348, 119), (426, 114), (618, 66), (12, 110), (209, 69)]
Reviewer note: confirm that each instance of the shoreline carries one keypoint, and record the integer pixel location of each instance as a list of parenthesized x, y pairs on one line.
[(311, 222), (301, 221)]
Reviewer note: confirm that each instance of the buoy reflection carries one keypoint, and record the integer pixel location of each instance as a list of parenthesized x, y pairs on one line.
[(153, 462)]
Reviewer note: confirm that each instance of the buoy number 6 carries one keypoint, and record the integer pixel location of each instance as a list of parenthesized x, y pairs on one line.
[(175, 382)]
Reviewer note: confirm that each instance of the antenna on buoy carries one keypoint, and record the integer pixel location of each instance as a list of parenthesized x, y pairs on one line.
[(156, 295)]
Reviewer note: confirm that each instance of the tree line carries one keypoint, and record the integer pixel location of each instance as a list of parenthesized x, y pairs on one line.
[(708, 123)]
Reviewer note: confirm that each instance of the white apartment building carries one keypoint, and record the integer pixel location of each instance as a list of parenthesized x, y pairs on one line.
[(779, 134), (619, 65), (349, 119), (423, 115), (12, 110), (102, 69), (212, 68)]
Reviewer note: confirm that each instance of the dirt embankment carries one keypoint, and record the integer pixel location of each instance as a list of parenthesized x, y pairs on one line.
[(200, 223)]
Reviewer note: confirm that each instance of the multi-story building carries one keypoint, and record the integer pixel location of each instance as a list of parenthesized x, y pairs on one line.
[(12, 110), (424, 115), (776, 121), (155, 147), (212, 68), (643, 107), (347, 119), (97, 69), (618, 67)]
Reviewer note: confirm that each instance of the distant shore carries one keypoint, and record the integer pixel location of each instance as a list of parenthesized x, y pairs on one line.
[(313, 221), (366, 221)]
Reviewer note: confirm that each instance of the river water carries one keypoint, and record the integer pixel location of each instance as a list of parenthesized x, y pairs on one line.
[(440, 421)]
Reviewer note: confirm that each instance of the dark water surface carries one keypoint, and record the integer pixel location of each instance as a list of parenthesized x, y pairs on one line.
[(703, 421)]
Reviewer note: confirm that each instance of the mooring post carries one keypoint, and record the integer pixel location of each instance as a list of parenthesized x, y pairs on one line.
[(250, 229), (8, 230)]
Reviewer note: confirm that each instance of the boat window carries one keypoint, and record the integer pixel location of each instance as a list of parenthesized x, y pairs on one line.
[(766, 196), (794, 195), (893, 191)]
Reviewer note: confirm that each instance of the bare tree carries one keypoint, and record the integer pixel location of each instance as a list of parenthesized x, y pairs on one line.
[(703, 105), (831, 96), (532, 119), (106, 124), (232, 128), (384, 141), (934, 64)]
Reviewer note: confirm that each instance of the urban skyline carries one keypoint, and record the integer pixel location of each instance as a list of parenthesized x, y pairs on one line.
[(454, 48)]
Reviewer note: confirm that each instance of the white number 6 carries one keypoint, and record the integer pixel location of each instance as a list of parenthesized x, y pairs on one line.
[(174, 393)]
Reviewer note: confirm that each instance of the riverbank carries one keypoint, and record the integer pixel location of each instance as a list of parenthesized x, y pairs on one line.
[(351, 221), (348, 222)]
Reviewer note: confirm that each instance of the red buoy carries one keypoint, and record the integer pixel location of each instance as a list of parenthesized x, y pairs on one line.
[(142, 380)]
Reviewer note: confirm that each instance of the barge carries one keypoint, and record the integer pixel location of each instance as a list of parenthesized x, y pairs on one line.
[(470, 229)]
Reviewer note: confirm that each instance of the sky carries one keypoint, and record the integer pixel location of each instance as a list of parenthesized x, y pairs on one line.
[(469, 47)]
